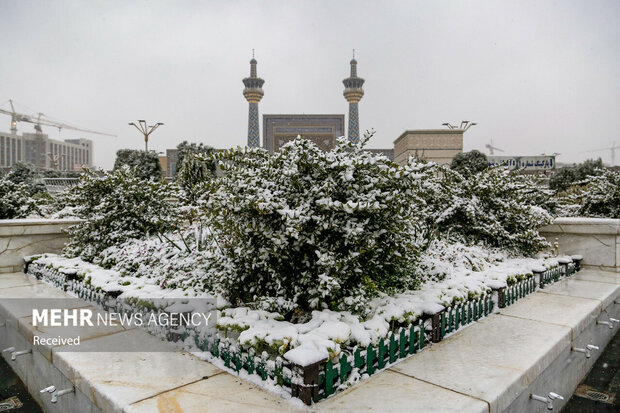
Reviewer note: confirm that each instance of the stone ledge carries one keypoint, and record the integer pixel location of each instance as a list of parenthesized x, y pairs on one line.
[(490, 366), (220, 393), (38, 221), (12, 227), (116, 380), (22, 237), (494, 360), (576, 313), (11, 269), (392, 391), (581, 225), (597, 275), (596, 239), (585, 288)]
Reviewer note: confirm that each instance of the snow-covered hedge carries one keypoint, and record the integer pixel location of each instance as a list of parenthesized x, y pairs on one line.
[(459, 273), (180, 260), (317, 229), (116, 207), (495, 206), (595, 196), (15, 200), (193, 173)]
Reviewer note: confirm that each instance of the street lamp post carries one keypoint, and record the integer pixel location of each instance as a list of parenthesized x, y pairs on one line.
[(146, 131), (464, 125)]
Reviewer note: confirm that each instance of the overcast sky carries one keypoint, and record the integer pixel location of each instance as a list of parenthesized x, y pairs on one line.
[(537, 76)]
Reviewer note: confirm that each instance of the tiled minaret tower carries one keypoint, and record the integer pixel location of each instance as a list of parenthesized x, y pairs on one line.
[(353, 93), (253, 93)]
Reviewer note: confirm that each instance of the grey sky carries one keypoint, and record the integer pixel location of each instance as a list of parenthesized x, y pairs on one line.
[(537, 76)]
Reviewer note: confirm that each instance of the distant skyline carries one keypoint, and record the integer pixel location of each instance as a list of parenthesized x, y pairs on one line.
[(536, 76)]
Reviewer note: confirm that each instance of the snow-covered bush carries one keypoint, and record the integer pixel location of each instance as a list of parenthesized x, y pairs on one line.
[(146, 164), (596, 196), (201, 149), (571, 175), (314, 228), (116, 207), (470, 162), (15, 200), (193, 174), (495, 206), (173, 260), (27, 174)]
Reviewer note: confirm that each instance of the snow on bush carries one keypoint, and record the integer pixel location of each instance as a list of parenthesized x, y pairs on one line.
[(145, 164), (312, 250), (178, 260), (313, 227), (470, 162), (595, 196), (192, 175), (16, 200), (475, 272), (569, 176), (495, 206), (115, 207)]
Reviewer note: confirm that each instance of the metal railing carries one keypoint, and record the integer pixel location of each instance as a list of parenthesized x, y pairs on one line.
[(56, 185)]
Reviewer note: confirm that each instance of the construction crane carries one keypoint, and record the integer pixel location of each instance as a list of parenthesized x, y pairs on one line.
[(612, 148), (41, 121), (492, 148)]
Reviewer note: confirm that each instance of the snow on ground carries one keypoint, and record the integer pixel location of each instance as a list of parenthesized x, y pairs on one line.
[(453, 273)]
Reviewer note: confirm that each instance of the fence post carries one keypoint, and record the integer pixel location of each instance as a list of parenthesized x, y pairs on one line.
[(564, 263), (577, 260), (109, 300), (436, 327), (305, 381), (501, 297), (541, 279)]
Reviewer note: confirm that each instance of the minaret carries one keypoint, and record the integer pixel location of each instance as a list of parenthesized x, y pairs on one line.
[(353, 93), (253, 93)]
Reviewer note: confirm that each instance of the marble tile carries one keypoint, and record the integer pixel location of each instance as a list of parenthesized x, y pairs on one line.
[(45, 229), (37, 290), (146, 368), (602, 268), (11, 230), (597, 249), (85, 333), (12, 269), (17, 279), (13, 249), (13, 227), (220, 393), (18, 302), (588, 274), (391, 391), (492, 360), (604, 292), (44, 374), (581, 225), (564, 310)]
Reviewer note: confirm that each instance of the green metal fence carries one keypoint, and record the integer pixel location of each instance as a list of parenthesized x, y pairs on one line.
[(462, 314), (508, 295), (371, 359)]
